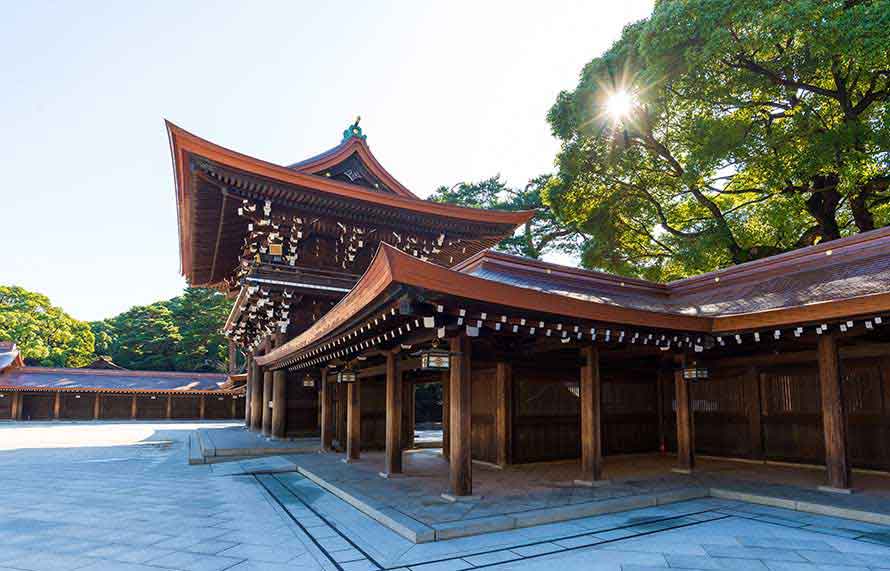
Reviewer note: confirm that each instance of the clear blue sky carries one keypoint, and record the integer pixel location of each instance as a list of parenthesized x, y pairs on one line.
[(447, 91)]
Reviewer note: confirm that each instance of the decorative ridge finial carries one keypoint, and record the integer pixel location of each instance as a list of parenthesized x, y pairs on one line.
[(354, 131)]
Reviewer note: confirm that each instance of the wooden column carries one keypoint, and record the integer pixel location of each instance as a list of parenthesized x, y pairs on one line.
[(342, 406), (279, 403), (133, 407), (461, 465), (327, 413), (353, 421), (591, 417), (446, 415), (233, 402), (202, 407), (267, 400), (833, 417), (169, 406), (57, 405), (755, 420), (503, 413), (408, 407), (97, 406), (393, 415), (685, 445), (19, 407), (248, 391), (256, 399)]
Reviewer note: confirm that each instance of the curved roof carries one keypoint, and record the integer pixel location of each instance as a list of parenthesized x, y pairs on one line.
[(286, 184), (46, 378)]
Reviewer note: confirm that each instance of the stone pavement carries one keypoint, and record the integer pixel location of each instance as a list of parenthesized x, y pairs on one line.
[(121, 496)]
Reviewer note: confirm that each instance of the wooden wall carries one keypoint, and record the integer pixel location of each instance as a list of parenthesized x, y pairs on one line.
[(546, 414), (148, 407), (301, 416), (482, 404), (373, 403), (40, 406), (6, 405)]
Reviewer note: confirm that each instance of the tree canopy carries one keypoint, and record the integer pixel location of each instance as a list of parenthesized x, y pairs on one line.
[(45, 335), (542, 234), (180, 334), (753, 128)]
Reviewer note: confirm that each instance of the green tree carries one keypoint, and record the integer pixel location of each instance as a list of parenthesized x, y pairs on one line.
[(146, 338), (542, 234), (200, 315), (753, 128), (45, 335)]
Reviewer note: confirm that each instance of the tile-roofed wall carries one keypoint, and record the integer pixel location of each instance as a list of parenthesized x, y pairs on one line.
[(52, 378)]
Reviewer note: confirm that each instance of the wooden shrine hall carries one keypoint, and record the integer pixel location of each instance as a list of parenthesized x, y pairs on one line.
[(349, 290)]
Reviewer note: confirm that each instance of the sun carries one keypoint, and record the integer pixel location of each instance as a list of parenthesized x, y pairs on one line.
[(620, 104)]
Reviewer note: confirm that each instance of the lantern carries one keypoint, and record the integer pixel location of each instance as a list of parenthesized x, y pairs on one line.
[(346, 376), (435, 359), (695, 372), (308, 382)]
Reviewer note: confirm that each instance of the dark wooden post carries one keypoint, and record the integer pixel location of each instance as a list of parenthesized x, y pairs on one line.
[(169, 406), (446, 415), (57, 405), (279, 403), (248, 392), (833, 417), (461, 464), (685, 446), (591, 418), (340, 418), (97, 406), (327, 414), (267, 401), (407, 413), (393, 415), (19, 406), (233, 404), (256, 399), (755, 416), (503, 413), (133, 407), (353, 421), (202, 407)]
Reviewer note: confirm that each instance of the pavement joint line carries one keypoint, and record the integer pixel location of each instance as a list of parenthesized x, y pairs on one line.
[(305, 530), (771, 520), (562, 549)]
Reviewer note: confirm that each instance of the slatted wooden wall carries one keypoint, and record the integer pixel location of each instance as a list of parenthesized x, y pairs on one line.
[(373, 402), (6, 405), (151, 408), (217, 407), (38, 406), (483, 415), (546, 414), (70, 406), (630, 411), (302, 408), (186, 407), (116, 406)]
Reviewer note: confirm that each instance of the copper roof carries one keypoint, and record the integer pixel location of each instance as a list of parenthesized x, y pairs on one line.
[(45, 378)]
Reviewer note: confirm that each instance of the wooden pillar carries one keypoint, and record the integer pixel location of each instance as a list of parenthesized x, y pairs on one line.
[(659, 404), (233, 402), (248, 390), (393, 415), (256, 399), (446, 416), (685, 445), (342, 405), (755, 415), (461, 465), (591, 417), (279, 403), (19, 406), (233, 357), (133, 407), (202, 407), (327, 413), (353, 421), (503, 413), (97, 406), (833, 417), (267, 401), (57, 405), (408, 406)]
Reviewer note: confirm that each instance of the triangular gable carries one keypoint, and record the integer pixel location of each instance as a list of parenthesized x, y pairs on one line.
[(353, 163)]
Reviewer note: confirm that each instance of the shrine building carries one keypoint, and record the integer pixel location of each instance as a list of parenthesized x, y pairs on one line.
[(349, 290)]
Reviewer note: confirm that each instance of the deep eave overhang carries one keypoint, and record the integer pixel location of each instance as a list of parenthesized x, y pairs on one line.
[(392, 269), (183, 144)]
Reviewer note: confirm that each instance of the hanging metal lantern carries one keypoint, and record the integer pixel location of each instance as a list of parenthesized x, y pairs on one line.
[(308, 382), (695, 372), (435, 359), (346, 376)]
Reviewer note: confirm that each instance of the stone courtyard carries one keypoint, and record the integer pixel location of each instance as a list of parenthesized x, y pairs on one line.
[(121, 496)]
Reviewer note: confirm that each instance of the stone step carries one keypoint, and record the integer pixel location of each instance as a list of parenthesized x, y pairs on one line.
[(195, 455)]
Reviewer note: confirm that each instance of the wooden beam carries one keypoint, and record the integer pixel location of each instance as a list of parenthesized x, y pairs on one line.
[(833, 417), (279, 403), (685, 444), (461, 466), (503, 411), (446, 415), (591, 416), (327, 414), (57, 405), (393, 455), (267, 401), (353, 421)]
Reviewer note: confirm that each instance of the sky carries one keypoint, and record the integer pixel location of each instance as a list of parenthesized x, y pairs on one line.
[(447, 91)]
